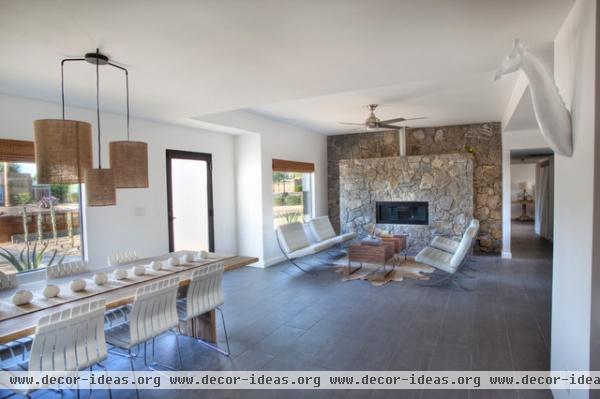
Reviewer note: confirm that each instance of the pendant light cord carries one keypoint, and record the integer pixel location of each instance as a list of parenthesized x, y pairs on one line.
[(127, 91), (62, 81), (62, 93), (98, 110)]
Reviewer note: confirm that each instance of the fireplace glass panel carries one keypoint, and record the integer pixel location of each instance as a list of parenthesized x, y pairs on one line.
[(403, 212)]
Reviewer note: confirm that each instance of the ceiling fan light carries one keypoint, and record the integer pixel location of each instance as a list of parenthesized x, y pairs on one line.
[(63, 150), (129, 163), (100, 187)]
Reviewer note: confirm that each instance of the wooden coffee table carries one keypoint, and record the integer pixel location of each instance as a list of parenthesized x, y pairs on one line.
[(400, 242), (380, 254)]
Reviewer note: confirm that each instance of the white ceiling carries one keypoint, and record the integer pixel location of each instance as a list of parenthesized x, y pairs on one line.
[(193, 58), (465, 99)]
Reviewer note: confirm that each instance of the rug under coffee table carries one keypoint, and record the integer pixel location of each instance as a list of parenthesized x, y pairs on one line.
[(382, 254)]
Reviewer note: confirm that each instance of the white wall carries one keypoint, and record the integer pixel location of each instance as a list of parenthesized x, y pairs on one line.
[(280, 141), (116, 228), (514, 140), (574, 69), (293, 146), (521, 173), (249, 195)]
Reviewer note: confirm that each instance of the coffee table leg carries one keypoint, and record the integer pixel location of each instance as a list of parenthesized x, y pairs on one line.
[(350, 271), (391, 270)]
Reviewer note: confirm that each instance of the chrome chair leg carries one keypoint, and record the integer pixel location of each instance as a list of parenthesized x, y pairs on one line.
[(153, 364), (130, 356), (103, 367), (178, 350), (225, 331), (216, 347)]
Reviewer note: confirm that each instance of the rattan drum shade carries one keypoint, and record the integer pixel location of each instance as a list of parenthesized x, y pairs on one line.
[(129, 162), (100, 187), (63, 150)]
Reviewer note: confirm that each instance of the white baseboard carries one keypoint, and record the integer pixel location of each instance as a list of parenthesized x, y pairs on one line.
[(273, 261), (507, 255)]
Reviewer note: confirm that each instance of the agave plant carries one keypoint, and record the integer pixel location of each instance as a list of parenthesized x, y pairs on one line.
[(291, 217), (30, 257)]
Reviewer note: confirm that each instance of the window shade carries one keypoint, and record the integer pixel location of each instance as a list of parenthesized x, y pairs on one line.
[(16, 151), (280, 165)]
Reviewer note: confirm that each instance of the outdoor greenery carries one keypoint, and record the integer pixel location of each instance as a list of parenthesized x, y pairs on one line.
[(60, 191), (286, 199), (29, 258), (12, 167), (21, 198)]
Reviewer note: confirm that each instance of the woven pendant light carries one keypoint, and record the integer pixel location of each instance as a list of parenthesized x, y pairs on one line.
[(129, 159), (100, 187), (129, 162), (99, 183), (63, 150)]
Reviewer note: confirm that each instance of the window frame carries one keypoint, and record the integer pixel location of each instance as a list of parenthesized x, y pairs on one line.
[(23, 151)]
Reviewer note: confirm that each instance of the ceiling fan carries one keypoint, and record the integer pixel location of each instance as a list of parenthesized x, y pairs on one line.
[(373, 122)]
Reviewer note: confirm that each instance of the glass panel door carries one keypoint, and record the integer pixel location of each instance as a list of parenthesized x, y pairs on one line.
[(190, 210)]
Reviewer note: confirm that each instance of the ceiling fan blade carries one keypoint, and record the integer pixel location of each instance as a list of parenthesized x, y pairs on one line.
[(383, 126), (395, 120), (351, 123), (398, 120)]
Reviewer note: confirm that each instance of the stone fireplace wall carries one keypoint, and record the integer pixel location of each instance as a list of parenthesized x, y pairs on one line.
[(484, 138), (486, 141), (445, 181), (354, 146)]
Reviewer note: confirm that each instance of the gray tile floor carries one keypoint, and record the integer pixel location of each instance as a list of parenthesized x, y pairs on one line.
[(281, 319)]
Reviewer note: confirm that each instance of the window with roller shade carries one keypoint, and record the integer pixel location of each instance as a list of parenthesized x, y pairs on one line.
[(292, 191)]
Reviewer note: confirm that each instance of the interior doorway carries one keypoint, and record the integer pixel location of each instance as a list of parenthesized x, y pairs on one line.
[(532, 203), (190, 201)]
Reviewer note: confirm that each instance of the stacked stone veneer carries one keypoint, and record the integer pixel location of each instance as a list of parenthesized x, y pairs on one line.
[(486, 141), (445, 181), (354, 146), (484, 138)]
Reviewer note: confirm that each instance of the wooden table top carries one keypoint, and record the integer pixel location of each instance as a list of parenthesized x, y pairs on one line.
[(24, 325)]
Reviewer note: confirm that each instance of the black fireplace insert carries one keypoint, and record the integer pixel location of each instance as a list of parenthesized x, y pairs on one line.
[(402, 212)]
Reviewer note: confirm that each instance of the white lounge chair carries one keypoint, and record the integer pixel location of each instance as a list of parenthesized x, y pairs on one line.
[(449, 245), (294, 243), (322, 231), (447, 262)]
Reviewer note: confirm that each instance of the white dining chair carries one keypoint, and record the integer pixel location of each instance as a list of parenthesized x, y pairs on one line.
[(122, 258), (69, 340), (66, 269), (204, 294), (153, 312)]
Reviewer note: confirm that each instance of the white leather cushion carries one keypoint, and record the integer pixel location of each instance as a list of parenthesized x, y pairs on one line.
[(475, 225), (311, 249), (292, 237), (321, 228), (436, 258), (463, 248), (347, 236), (445, 244)]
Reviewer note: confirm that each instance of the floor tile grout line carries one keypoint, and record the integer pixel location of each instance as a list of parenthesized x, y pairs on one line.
[(439, 333)]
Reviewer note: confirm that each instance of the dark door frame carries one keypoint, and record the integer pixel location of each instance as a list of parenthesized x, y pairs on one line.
[(198, 156)]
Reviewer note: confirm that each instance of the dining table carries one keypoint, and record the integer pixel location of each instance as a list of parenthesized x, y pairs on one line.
[(20, 321)]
